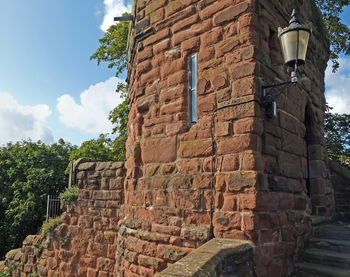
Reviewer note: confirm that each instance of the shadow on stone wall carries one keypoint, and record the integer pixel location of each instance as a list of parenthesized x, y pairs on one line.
[(340, 176)]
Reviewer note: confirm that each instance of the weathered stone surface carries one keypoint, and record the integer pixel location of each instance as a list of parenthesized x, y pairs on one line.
[(166, 150), (87, 166), (211, 259), (230, 13), (198, 148)]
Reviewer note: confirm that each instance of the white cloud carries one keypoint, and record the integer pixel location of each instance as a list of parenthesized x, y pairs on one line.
[(19, 122), (91, 115), (338, 87), (113, 8)]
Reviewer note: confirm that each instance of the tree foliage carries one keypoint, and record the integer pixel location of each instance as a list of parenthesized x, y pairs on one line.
[(29, 171), (119, 117), (337, 135), (113, 47), (100, 149), (338, 32), (113, 50)]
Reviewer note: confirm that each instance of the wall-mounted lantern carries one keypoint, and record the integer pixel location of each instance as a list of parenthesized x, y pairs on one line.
[(294, 41)]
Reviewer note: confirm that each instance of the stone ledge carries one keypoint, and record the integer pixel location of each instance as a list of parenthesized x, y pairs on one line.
[(214, 257)]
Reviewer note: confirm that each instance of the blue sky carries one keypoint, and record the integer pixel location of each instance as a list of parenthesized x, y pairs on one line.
[(50, 89)]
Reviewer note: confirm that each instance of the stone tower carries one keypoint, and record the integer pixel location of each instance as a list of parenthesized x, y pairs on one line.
[(199, 166)]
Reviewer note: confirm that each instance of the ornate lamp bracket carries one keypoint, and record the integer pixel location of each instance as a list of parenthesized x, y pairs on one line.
[(271, 92)]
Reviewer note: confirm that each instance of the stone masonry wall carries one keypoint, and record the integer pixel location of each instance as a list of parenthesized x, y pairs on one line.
[(297, 181), (235, 173), (341, 185), (85, 243), (170, 196), (295, 172)]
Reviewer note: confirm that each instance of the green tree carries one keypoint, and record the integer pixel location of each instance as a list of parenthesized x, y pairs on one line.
[(113, 47), (29, 171), (338, 32), (113, 50), (100, 149), (337, 135)]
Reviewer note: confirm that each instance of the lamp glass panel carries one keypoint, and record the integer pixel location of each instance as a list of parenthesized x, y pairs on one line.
[(289, 46), (303, 42)]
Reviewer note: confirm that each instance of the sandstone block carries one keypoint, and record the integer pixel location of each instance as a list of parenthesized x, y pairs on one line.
[(318, 169), (156, 37), (252, 161), (189, 166), (91, 272), (154, 263), (290, 165), (237, 144), (143, 67), (198, 148), (219, 81), (243, 87), (177, 78), (202, 86), (243, 69), (176, 6), (230, 163), (230, 13), (206, 54), (225, 221), (212, 37), (202, 181), (206, 104), (195, 30), (185, 23), (229, 202), (150, 76), (105, 264), (209, 10), (171, 253), (154, 5), (166, 150), (87, 166), (191, 45), (161, 46), (180, 182), (165, 229), (146, 53), (157, 16), (170, 67)]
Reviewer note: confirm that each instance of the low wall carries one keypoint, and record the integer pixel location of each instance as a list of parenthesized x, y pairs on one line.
[(27, 256), (341, 184), (218, 257), (85, 243)]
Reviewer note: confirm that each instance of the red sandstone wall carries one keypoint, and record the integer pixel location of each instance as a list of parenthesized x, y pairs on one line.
[(169, 193), (85, 243), (341, 184), (261, 166), (293, 146)]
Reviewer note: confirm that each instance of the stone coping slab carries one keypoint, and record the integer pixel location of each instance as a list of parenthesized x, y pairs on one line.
[(205, 260)]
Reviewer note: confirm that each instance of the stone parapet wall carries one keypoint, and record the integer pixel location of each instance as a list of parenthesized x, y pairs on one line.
[(218, 257), (85, 243), (341, 185)]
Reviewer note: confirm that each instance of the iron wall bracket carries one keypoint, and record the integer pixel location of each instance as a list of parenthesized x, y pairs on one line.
[(271, 92)]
